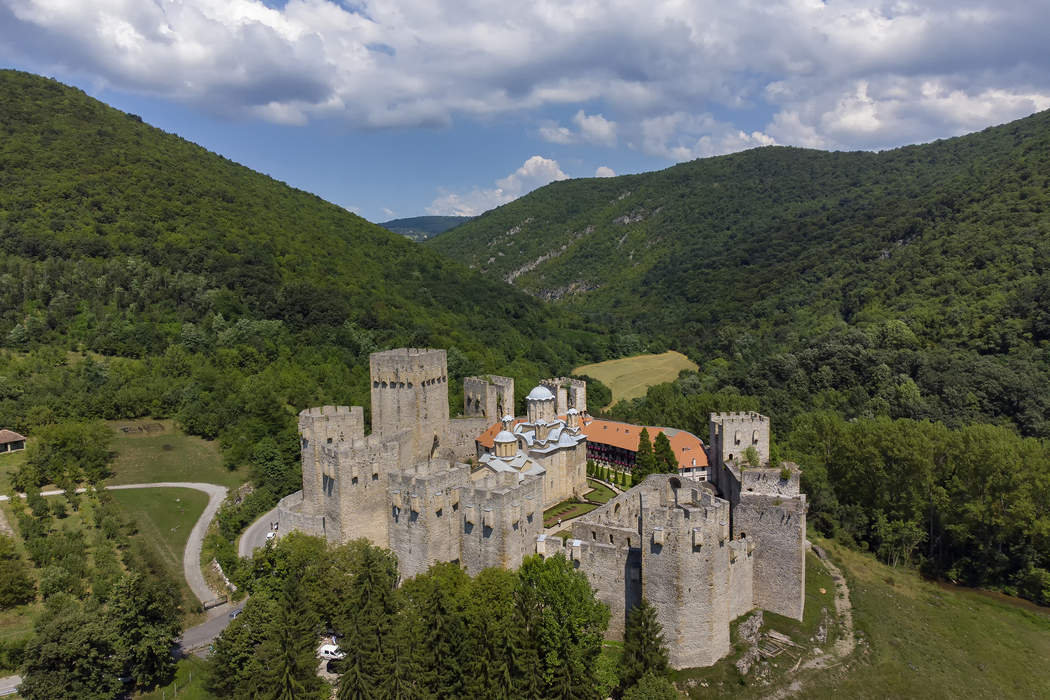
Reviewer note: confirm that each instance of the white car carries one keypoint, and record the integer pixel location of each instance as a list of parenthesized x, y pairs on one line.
[(330, 652), (270, 535)]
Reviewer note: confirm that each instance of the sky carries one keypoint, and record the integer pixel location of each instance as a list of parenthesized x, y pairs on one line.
[(397, 108)]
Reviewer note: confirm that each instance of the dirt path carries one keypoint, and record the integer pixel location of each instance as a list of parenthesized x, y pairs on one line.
[(846, 642)]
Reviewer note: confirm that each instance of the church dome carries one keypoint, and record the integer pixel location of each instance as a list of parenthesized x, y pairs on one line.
[(505, 436), (540, 393)]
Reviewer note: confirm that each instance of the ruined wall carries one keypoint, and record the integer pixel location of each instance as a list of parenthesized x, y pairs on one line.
[(489, 397), (500, 521), (778, 526), (423, 517), (410, 392), (569, 393)]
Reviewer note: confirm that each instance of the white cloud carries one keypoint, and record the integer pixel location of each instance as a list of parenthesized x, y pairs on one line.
[(604, 171), (534, 172), (596, 128), (389, 212), (848, 74)]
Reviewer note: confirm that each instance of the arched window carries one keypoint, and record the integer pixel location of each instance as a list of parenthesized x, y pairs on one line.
[(736, 438), (754, 438)]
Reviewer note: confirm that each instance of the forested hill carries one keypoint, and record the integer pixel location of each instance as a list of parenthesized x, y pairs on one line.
[(420, 228), (190, 286), (913, 282)]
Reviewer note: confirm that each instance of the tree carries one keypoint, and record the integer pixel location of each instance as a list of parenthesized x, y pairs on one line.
[(72, 655), (563, 623), (751, 456), (652, 687), (644, 460), (287, 649), (67, 452), (493, 635), (434, 601), (663, 454), (367, 621), (144, 617), (16, 583), (235, 668), (643, 646)]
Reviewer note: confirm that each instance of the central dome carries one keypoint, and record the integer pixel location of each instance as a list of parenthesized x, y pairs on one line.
[(540, 393)]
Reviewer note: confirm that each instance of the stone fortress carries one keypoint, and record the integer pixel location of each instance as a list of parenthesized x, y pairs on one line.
[(702, 552)]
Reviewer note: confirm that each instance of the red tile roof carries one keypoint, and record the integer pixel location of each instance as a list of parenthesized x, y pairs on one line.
[(687, 447)]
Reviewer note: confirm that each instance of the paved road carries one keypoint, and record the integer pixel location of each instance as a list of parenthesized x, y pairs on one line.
[(9, 685), (192, 555), (254, 535)]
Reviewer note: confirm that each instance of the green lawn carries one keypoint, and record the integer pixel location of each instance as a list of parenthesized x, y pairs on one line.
[(915, 639), (167, 454), (601, 492), (565, 510), (165, 518), (629, 377)]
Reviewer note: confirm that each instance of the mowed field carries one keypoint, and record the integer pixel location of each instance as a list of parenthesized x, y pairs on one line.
[(155, 450), (629, 377)]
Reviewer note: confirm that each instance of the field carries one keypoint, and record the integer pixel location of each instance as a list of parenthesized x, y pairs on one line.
[(629, 377), (155, 450), (9, 464), (165, 518), (188, 683), (914, 639)]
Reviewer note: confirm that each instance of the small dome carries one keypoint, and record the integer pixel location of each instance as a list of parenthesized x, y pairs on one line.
[(508, 418), (573, 412), (540, 393), (505, 436)]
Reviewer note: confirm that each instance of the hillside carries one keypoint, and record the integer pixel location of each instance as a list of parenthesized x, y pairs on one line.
[(911, 282), (143, 275), (420, 228)]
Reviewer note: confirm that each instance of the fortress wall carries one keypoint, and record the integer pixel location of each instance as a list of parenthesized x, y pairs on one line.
[(732, 433), (778, 526), (741, 577), (461, 440), (423, 517), (293, 514), (612, 559), (500, 521)]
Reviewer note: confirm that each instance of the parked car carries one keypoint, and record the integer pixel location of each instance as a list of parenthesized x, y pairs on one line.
[(330, 652), (235, 613)]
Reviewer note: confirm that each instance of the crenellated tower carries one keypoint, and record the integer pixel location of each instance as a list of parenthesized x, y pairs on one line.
[(410, 391)]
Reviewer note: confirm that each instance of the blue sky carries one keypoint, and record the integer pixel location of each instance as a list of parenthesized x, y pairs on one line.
[(406, 107)]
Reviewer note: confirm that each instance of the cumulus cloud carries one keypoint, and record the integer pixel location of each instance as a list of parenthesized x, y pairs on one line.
[(604, 171), (534, 172), (853, 73)]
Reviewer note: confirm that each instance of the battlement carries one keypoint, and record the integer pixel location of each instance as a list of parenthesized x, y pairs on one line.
[(327, 411), (730, 417)]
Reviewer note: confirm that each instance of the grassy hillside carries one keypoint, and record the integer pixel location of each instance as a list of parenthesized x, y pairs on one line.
[(774, 258), (143, 275), (629, 377), (420, 228)]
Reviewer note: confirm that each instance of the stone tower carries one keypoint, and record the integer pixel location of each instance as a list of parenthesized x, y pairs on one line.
[(410, 390), (732, 433), (326, 425)]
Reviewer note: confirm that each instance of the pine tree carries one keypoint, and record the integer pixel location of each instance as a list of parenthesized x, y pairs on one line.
[(663, 453), (643, 646), (367, 623), (287, 651), (644, 460)]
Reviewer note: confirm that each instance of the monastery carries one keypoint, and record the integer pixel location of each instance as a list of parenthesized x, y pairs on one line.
[(704, 546)]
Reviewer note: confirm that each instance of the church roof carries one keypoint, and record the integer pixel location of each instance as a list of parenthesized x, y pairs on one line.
[(540, 393), (505, 436)]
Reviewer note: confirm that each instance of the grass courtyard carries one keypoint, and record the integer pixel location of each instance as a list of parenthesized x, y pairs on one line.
[(601, 493), (630, 377)]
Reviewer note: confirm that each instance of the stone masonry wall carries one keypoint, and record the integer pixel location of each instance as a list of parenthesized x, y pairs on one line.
[(778, 526), (410, 392), (500, 520), (322, 426), (423, 518)]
